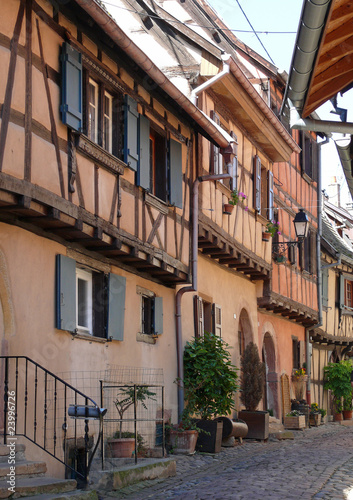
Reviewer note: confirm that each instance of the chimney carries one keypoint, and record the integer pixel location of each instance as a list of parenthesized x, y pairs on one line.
[(334, 192)]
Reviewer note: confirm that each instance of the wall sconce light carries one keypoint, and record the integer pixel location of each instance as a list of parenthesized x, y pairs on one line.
[(301, 226)]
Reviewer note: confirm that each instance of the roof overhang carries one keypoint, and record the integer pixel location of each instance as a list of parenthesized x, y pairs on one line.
[(322, 59)]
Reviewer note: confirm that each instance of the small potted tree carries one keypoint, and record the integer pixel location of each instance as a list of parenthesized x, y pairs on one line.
[(252, 385), (337, 378), (122, 444), (210, 381)]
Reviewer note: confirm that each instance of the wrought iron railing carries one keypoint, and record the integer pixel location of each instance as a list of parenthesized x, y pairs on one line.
[(39, 405)]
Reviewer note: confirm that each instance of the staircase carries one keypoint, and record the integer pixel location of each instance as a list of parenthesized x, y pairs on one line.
[(31, 481)]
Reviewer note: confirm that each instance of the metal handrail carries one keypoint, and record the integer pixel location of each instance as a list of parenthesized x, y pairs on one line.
[(36, 403)]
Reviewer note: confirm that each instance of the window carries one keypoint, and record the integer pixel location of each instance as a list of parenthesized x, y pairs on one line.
[(346, 292), (151, 312), (298, 351), (156, 159), (89, 302), (263, 189), (86, 105), (207, 317), (308, 155)]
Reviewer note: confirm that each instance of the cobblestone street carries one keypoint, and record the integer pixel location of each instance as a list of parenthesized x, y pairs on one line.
[(317, 464)]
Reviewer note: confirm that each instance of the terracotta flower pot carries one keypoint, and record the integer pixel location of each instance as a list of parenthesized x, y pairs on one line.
[(183, 442), (121, 448), (266, 236), (228, 208), (347, 414), (338, 417)]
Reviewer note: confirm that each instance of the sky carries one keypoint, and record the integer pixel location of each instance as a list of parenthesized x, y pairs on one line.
[(282, 16)]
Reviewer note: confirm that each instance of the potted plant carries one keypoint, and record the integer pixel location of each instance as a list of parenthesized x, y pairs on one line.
[(252, 387), (210, 381), (337, 378), (315, 415), (272, 228), (122, 444), (347, 406), (299, 378), (183, 437), (294, 420), (235, 197), (323, 414)]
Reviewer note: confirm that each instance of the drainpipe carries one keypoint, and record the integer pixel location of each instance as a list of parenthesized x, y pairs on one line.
[(319, 275), (210, 82), (193, 286)]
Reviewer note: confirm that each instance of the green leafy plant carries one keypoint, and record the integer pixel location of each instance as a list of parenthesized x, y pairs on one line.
[(314, 408), (347, 402), (210, 379), (272, 227), (323, 412), (337, 378), (252, 377), (127, 397), (236, 196)]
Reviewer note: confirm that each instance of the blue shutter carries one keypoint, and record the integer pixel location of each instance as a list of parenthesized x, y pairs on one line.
[(65, 293), (143, 173), (71, 91), (116, 307), (130, 132), (158, 315), (176, 173)]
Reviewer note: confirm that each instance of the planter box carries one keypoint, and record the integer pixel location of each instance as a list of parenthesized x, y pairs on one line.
[(212, 442), (257, 422), (315, 419), (183, 442), (295, 422)]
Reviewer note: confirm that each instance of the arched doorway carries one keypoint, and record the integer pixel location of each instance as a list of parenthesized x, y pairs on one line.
[(271, 386)]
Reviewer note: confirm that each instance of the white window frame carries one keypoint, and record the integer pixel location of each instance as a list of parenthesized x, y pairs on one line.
[(85, 275), (93, 131)]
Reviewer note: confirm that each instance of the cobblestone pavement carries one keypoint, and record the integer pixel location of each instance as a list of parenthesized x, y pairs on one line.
[(317, 464)]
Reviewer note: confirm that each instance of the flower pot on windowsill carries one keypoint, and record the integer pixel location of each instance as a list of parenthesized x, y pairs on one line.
[(266, 236), (227, 208)]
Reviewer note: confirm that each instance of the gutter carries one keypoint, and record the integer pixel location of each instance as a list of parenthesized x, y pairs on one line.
[(193, 286), (110, 27), (324, 126), (319, 275), (344, 147), (311, 27)]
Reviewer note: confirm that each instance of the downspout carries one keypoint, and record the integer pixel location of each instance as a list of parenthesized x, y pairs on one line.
[(195, 92), (319, 275), (193, 286)]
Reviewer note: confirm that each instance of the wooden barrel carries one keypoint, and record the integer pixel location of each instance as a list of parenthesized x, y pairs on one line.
[(236, 427)]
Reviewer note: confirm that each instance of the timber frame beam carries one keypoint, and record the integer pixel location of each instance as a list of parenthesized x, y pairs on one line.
[(294, 311)]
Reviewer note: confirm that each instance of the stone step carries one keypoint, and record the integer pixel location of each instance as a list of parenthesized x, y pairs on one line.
[(5, 451), (29, 487), (75, 495), (22, 468)]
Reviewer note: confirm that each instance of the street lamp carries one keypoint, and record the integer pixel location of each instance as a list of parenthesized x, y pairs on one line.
[(301, 226)]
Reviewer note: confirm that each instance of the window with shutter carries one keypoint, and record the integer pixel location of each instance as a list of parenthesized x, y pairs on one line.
[(217, 320), (175, 174), (131, 117), (151, 314), (216, 157), (325, 272), (89, 302), (270, 197)]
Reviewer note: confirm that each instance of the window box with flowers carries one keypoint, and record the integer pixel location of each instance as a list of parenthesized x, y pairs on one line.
[(272, 228), (235, 197)]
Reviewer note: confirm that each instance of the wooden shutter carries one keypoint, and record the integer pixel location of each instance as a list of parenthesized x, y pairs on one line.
[(257, 183), (130, 132), (158, 315), (270, 197), (217, 319), (175, 173), (342, 291), (325, 287), (71, 87), (65, 293), (301, 353), (143, 171), (313, 266), (116, 307)]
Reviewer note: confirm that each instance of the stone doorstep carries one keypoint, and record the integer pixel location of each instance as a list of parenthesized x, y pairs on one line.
[(347, 423), (5, 450), (24, 468), (28, 487), (128, 475)]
